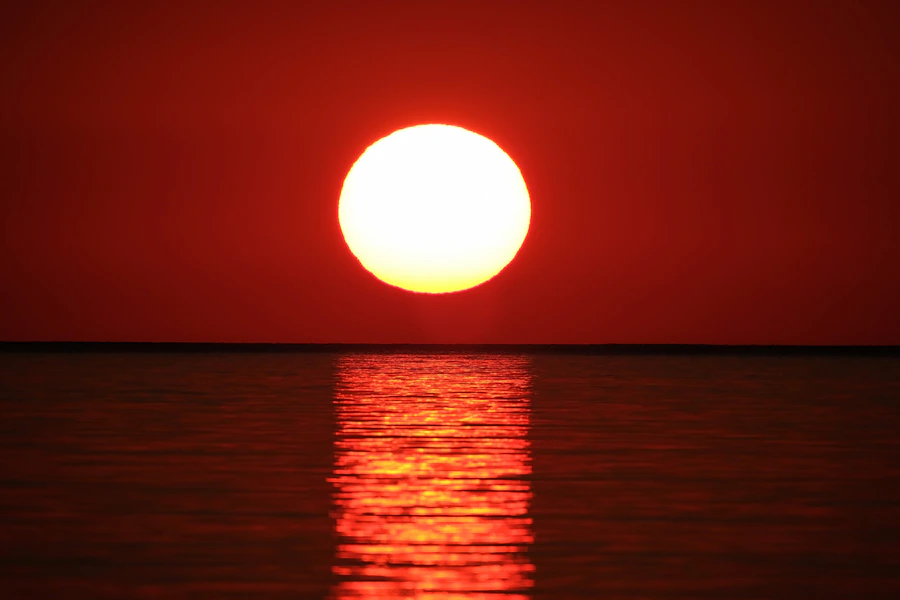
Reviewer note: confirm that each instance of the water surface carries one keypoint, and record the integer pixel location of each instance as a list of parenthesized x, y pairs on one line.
[(448, 475)]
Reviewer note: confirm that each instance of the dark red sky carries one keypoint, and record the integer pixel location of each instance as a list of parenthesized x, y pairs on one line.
[(700, 172)]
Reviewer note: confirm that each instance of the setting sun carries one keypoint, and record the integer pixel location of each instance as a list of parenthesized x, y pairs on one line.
[(434, 208)]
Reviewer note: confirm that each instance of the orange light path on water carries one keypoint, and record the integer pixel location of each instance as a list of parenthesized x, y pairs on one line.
[(431, 494)]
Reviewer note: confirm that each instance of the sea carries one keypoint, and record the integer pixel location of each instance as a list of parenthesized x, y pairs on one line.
[(442, 473)]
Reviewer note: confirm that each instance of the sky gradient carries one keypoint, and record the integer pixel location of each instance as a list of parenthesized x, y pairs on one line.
[(723, 173)]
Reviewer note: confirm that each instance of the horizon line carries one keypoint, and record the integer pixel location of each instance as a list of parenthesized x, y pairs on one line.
[(553, 348)]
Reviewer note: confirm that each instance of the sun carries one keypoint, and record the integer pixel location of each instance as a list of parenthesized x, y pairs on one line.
[(434, 209)]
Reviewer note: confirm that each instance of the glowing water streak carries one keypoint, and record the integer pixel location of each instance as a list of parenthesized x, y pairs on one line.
[(431, 490)]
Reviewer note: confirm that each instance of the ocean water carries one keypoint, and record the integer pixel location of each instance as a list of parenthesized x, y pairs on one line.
[(448, 475)]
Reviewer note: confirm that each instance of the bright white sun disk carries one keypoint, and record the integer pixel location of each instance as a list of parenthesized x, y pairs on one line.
[(434, 208)]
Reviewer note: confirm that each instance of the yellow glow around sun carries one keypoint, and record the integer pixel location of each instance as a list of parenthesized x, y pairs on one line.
[(434, 208)]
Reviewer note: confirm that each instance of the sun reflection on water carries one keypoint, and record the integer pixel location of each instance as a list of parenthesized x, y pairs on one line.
[(431, 489)]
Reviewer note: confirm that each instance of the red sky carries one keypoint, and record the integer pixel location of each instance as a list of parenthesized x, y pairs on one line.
[(700, 172)]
